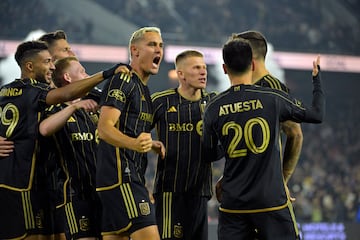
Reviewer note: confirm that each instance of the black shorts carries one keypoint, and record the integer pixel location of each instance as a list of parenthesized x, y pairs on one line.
[(23, 213), (126, 209), (279, 224), (82, 218), (58, 219), (181, 216)]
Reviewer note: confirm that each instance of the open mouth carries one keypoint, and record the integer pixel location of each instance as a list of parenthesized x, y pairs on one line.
[(203, 80), (156, 60)]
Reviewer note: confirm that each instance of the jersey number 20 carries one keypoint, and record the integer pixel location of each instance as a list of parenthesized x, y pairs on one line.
[(246, 133)]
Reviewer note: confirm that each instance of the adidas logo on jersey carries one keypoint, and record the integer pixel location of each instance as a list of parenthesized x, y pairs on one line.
[(172, 109), (71, 119)]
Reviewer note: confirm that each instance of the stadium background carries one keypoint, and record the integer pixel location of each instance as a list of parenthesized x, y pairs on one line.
[(326, 182)]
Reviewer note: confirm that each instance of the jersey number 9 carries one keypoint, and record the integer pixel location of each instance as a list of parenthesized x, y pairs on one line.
[(9, 117)]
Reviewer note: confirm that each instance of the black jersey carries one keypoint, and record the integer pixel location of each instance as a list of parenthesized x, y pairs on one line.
[(271, 82), (178, 124), (118, 165), (246, 120), (75, 148), (274, 83), (21, 105)]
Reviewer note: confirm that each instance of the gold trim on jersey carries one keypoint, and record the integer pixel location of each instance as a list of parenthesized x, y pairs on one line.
[(32, 168), (28, 211), (273, 82), (167, 203), (296, 103), (256, 210), (125, 77), (62, 162), (19, 238), (118, 162), (125, 229), (71, 218), (129, 200), (293, 218), (156, 95)]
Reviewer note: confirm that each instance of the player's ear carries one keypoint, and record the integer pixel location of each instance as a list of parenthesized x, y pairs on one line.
[(134, 50), (66, 77), (29, 66), (224, 68), (179, 74)]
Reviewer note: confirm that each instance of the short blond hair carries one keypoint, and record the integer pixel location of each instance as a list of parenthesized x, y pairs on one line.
[(139, 34), (61, 66), (186, 54)]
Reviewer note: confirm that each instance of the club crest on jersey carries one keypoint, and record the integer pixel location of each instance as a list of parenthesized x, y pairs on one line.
[(117, 94), (178, 231), (144, 208), (84, 224)]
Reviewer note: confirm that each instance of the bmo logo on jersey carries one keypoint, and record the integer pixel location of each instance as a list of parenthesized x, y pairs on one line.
[(186, 127), (85, 136)]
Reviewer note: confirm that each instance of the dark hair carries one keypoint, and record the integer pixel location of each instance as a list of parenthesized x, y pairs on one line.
[(257, 41), (237, 55), (51, 37), (28, 49)]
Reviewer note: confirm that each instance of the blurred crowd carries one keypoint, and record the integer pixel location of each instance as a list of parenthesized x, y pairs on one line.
[(289, 25), (314, 25), (326, 183)]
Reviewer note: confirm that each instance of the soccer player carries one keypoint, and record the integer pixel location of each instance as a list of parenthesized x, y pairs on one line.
[(59, 48), (183, 178), (262, 77), (73, 131), (58, 45), (124, 130), (22, 103), (246, 120)]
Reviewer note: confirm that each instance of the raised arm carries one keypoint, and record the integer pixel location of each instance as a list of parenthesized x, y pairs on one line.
[(56, 121), (80, 88), (317, 111)]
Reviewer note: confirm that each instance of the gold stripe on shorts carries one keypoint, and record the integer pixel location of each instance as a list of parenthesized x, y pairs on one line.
[(28, 211), (129, 200), (167, 202), (291, 209), (71, 218)]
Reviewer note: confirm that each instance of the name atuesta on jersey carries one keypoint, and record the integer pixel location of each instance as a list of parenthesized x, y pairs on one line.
[(240, 107)]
